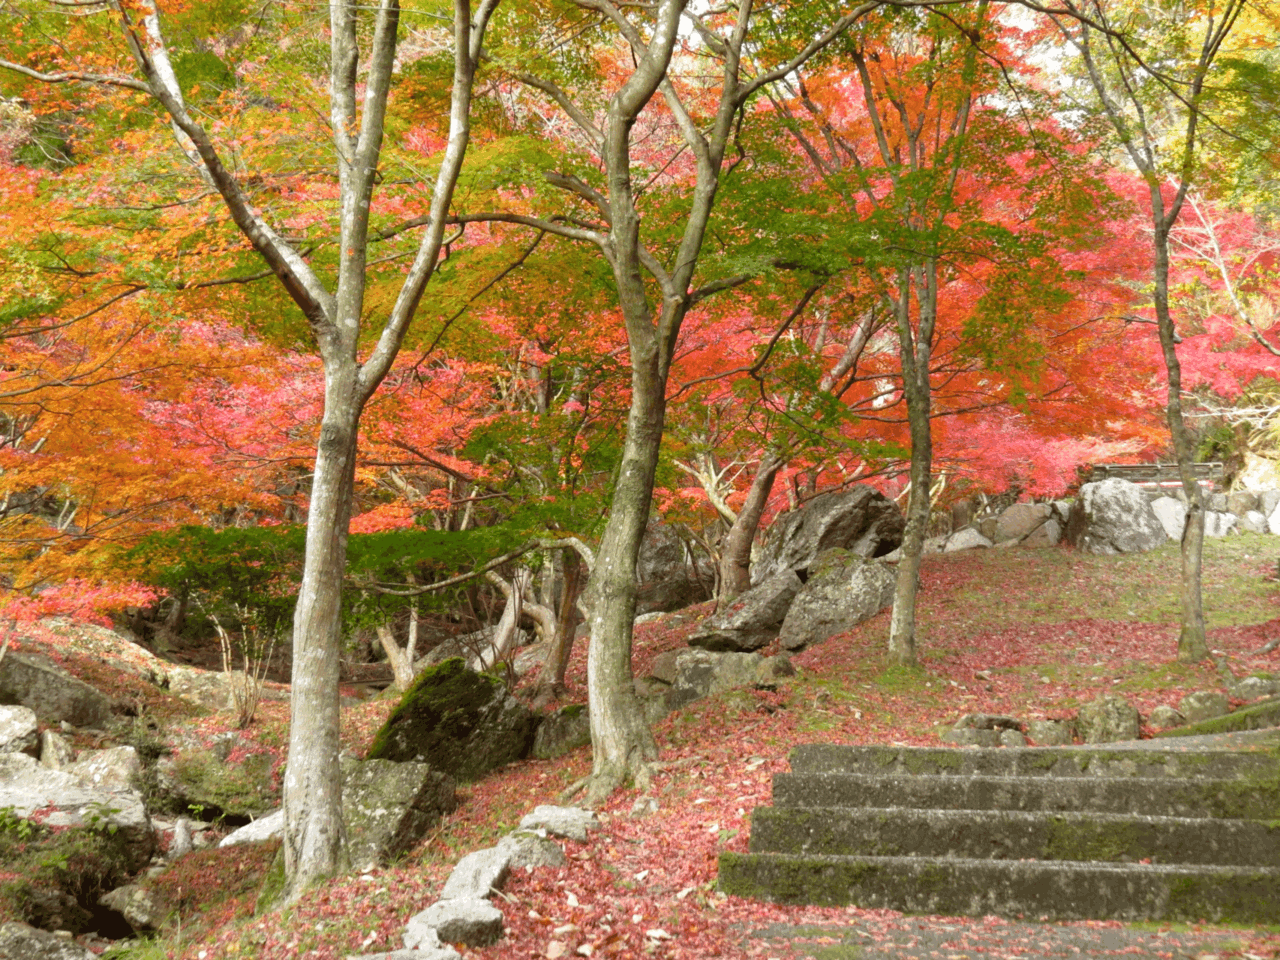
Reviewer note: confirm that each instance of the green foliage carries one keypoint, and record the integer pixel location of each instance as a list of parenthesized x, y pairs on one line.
[(67, 866)]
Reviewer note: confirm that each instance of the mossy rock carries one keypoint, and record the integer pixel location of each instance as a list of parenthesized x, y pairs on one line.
[(53, 878), (461, 722)]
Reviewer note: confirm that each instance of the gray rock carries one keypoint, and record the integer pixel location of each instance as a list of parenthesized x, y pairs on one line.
[(772, 669), (1108, 719), (861, 520), (1241, 502), (701, 673), (1048, 534), (19, 731), (427, 946), (1172, 515), (1012, 738), (462, 723), (1164, 716), (114, 769), (988, 721), (181, 843), (663, 667), (55, 752), (667, 577), (531, 849), (473, 923), (843, 590), (1268, 502), (968, 737), (752, 620), (478, 874), (21, 942), (567, 729), (1217, 502), (388, 807), (1252, 688), (66, 801), (1204, 705), (573, 823), (54, 695), (1254, 522), (136, 905), (1049, 733), (1113, 516), (1217, 524), (256, 831), (966, 539), (1273, 521), (1019, 520)]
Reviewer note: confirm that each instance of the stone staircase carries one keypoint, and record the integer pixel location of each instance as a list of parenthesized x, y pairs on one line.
[(1141, 831)]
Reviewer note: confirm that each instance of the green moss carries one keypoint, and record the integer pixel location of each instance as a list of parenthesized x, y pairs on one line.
[(240, 788), (60, 870), (1105, 842), (457, 720), (1248, 898), (938, 760)]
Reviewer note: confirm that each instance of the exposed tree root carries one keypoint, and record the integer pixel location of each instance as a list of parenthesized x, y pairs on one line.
[(1266, 647)]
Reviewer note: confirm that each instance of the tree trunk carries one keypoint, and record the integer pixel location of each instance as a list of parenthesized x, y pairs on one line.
[(915, 351), (1192, 643), (504, 635), (621, 741), (561, 644), (315, 835), (401, 665), (735, 556)]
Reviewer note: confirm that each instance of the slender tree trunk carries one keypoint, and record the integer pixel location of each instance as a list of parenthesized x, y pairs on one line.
[(735, 556), (621, 741), (1192, 643), (315, 835), (915, 351), (561, 644)]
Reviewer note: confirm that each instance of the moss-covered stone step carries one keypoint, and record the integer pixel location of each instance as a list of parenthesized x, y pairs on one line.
[(1053, 890), (1168, 761), (1259, 716), (1014, 835), (1245, 798)]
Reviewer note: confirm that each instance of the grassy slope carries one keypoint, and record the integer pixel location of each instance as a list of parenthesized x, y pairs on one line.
[(1033, 633)]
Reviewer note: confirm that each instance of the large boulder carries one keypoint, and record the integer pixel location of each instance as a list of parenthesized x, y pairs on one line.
[(861, 520), (667, 578), (462, 723), (700, 673), (1114, 516), (567, 729), (53, 694), (388, 807), (1020, 520), (752, 619), (67, 801), (843, 589), (1172, 514), (218, 782)]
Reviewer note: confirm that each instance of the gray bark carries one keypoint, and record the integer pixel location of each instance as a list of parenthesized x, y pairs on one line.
[(314, 845)]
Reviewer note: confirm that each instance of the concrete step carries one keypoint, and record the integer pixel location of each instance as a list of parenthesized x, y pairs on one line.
[(1014, 835), (1166, 797), (1059, 890), (1136, 760)]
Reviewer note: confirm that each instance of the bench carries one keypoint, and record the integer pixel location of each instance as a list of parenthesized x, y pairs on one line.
[(1160, 475)]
